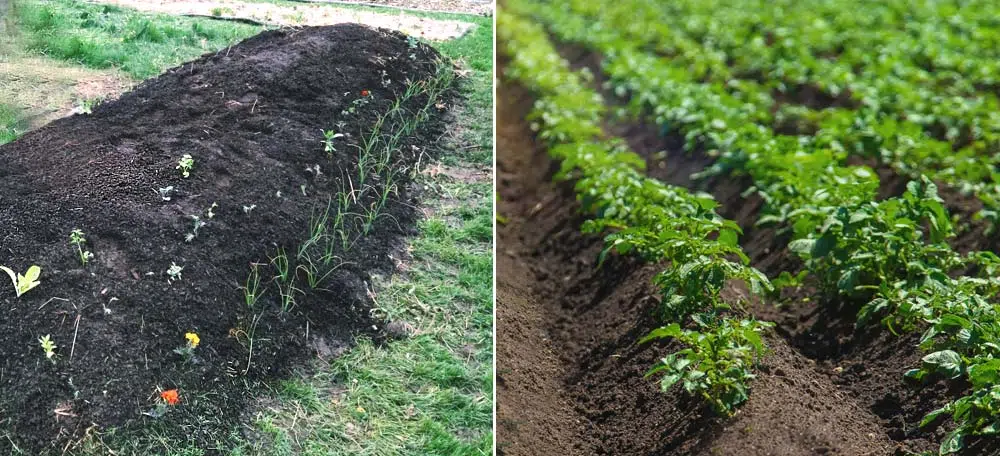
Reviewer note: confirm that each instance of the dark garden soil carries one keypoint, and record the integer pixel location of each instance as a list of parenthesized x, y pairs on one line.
[(251, 116), (569, 370)]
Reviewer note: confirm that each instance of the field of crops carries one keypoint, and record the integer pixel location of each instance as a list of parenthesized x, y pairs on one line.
[(779, 214)]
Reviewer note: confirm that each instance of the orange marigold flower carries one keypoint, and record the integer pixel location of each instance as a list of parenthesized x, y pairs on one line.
[(364, 93), (170, 397)]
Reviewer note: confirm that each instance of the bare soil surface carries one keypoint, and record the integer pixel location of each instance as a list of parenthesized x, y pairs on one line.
[(570, 373), (252, 119), (304, 14)]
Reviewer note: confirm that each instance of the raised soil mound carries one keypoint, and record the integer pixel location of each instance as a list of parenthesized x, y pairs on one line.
[(251, 117)]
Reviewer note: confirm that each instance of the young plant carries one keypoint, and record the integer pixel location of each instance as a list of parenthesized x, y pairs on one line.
[(187, 350), (76, 237), (49, 347), (174, 272), (281, 264), (24, 283), (186, 164), (717, 363), (328, 137), (251, 288), (288, 291), (166, 192), (167, 399)]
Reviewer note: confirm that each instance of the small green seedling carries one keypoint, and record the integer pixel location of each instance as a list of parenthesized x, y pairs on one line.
[(174, 272), (166, 192), (186, 164), (49, 346), (24, 283), (76, 237), (211, 209), (328, 137), (248, 209)]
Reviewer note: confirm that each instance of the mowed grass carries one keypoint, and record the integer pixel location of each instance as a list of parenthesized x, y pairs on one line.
[(104, 36), (429, 393), (426, 394), (8, 124)]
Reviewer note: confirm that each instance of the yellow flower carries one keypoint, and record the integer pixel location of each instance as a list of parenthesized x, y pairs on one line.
[(193, 339)]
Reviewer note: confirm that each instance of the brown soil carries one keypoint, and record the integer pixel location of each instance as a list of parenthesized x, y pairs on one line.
[(570, 374), (252, 118)]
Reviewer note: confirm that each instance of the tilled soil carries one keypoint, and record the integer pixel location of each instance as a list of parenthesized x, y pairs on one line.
[(251, 116), (570, 373)]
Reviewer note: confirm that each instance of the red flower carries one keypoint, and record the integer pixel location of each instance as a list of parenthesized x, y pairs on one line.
[(364, 93), (170, 397)]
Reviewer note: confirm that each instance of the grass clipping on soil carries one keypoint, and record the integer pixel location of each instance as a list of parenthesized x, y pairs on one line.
[(303, 144)]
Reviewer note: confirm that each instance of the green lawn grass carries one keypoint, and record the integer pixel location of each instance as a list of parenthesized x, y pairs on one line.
[(427, 394), (8, 124), (103, 36)]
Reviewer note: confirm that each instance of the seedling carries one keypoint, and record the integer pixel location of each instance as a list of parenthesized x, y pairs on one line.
[(328, 137), (174, 272), (210, 212), (187, 351), (248, 209), (76, 237), (251, 289), (186, 164), (166, 192), (288, 291), (198, 224), (49, 346), (280, 262), (24, 283)]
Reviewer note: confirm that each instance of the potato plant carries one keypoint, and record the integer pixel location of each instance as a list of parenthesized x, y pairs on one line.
[(926, 106), (645, 217)]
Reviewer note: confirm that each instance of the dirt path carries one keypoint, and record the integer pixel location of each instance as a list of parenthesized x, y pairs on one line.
[(303, 14), (570, 375), (47, 89)]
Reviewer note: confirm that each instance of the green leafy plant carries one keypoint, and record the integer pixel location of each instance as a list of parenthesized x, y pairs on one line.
[(76, 237), (186, 164), (716, 364), (49, 347), (174, 272), (24, 283), (328, 137)]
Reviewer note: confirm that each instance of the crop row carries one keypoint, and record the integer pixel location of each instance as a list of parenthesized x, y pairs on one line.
[(914, 104), (890, 257), (647, 218)]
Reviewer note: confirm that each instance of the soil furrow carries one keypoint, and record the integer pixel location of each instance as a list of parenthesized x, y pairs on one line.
[(587, 322)]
